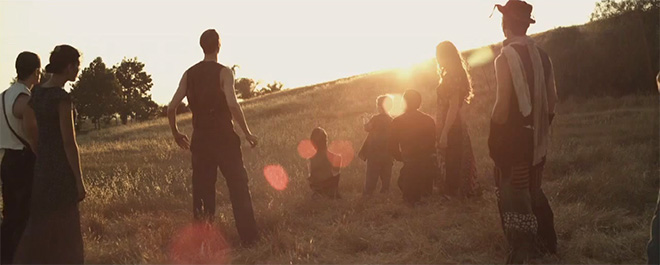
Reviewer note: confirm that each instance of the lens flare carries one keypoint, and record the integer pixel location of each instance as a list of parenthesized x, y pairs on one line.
[(276, 177), (387, 103), (343, 148), (480, 57), (305, 149), (398, 105), (199, 243), (405, 73)]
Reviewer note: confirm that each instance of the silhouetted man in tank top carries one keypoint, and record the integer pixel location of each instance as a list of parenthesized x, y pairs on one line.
[(209, 87)]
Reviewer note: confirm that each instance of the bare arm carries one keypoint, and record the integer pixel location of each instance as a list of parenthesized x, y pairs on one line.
[(552, 91), (504, 90), (452, 112), (441, 114), (227, 79), (181, 139), (65, 112), (336, 165), (30, 127), (20, 104)]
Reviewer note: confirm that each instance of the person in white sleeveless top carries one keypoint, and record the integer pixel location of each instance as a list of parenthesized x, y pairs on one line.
[(17, 167)]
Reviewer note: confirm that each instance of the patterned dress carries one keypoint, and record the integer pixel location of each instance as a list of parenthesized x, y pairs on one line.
[(53, 231), (457, 164)]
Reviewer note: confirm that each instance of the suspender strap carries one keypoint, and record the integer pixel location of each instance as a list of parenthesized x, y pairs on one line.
[(4, 111)]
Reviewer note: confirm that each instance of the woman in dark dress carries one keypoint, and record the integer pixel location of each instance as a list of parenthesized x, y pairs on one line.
[(53, 235), (324, 167), (454, 144)]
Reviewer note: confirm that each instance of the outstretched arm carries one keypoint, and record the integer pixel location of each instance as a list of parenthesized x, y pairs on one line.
[(30, 127), (180, 138), (452, 112), (65, 112), (227, 79), (551, 88), (441, 113), (504, 90)]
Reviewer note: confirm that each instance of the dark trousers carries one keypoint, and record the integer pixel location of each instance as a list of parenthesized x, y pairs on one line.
[(416, 179), (377, 170), (526, 216), (211, 151), (17, 172)]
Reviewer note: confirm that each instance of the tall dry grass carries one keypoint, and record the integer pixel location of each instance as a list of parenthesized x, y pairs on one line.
[(601, 180)]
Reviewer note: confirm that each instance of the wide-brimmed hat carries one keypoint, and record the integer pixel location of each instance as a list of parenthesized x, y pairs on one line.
[(518, 10)]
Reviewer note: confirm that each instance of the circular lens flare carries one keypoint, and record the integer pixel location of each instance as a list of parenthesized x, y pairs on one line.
[(398, 105), (305, 149), (276, 177), (388, 104), (345, 150), (199, 243)]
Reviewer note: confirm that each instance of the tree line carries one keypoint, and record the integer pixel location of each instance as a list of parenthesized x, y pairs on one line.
[(123, 93), (247, 88), (612, 8)]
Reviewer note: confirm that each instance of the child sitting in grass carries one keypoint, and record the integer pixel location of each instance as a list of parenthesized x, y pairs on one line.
[(324, 167)]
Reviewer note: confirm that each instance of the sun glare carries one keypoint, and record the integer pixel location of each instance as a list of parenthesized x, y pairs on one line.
[(405, 73), (343, 148), (199, 243), (481, 56), (305, 149), (397, 105), (276, 177)]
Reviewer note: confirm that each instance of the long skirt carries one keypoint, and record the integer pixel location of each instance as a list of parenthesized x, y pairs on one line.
[(54, 238), (460, 171)]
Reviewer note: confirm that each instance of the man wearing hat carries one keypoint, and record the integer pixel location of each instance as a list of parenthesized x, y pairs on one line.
[(519, 136)]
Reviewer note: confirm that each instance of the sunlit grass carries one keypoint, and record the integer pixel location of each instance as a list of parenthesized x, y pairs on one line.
[(601, 180)]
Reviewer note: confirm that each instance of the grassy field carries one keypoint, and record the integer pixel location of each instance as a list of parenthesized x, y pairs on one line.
[(601, 179)]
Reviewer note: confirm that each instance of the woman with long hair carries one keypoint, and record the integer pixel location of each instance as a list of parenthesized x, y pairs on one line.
[(324, 167), (454, 90), (53, 231)]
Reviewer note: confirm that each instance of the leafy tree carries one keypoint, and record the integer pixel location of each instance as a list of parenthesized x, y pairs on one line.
[(246, 88), (135, 89), (148, 109), (96, 93), (234, 67), (610, 8), (274, 87)]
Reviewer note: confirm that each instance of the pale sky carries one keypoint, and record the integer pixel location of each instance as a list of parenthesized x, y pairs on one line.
[(295, 42)]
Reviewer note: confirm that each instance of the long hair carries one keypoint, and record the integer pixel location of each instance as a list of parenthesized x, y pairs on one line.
[(319, 139), (61, 57), (451, 66)]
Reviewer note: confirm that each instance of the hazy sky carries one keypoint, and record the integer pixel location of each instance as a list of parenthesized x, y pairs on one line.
[(295, 42)]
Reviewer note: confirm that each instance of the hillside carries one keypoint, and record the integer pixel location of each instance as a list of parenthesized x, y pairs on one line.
[(601, 181)]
